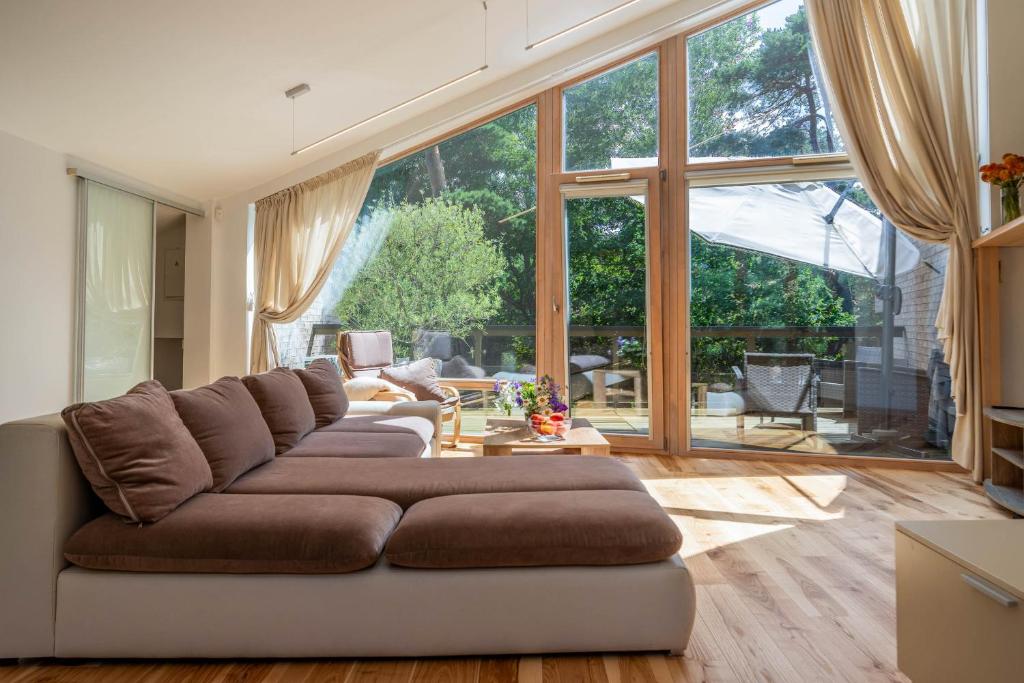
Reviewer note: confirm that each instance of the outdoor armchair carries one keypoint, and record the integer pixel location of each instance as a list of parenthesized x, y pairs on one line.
[(368, 353), (780, 385)]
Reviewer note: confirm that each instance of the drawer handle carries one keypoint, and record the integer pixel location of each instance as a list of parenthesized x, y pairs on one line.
[(987, 589)]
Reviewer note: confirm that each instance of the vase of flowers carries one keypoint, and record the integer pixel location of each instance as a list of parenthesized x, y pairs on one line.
[(541, 403), (1007, 176)]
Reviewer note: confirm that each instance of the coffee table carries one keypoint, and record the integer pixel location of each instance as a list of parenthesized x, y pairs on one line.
[(505, 435)]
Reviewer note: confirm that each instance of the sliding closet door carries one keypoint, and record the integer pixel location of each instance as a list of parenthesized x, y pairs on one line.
[(115, 326)]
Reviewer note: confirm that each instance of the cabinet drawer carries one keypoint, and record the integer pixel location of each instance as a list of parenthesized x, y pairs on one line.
[(951, 624)]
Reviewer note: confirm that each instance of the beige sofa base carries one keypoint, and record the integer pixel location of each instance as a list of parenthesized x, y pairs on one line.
[(380, 612)]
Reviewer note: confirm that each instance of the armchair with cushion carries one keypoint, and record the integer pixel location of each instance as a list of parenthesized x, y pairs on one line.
[(370, 354)]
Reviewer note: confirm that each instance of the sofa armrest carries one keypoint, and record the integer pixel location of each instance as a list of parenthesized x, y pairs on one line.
[(43, 500), (430, 410)]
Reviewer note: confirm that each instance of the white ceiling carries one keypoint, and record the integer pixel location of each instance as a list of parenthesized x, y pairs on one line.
[(188, 95)]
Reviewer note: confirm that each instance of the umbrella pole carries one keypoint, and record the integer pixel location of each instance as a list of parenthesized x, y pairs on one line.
[(888, 296)]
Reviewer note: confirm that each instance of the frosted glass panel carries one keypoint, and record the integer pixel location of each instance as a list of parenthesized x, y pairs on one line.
[(118, 274)]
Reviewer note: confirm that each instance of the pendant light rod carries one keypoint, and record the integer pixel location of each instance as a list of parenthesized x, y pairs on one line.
[(580, 25), (400, 105)]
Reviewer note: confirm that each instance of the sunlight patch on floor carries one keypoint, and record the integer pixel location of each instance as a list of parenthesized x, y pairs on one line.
[(742, 499)]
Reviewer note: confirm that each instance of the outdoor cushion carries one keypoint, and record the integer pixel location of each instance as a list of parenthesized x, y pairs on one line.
[(366, 388), (323, 444), (586, 362), (419, 377), (409, 480), (366, 350), (533, 530), (227, 424), (326, 395), (137, 454), (285, 406), (220, 533), (377, 424)]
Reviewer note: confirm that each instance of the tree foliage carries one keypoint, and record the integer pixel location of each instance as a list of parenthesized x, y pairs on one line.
[(435, 271)]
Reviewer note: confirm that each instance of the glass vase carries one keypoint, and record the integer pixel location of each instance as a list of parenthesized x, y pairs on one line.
[(1011, 203)]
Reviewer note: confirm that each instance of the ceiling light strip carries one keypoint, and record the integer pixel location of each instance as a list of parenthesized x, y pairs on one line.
[(580, 25), (401, 105), (395, 108)]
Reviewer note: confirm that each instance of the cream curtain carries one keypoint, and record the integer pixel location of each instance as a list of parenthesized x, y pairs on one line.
[(901, 78), (298, 234)]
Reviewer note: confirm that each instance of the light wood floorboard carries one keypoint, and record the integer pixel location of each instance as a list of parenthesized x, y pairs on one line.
[(794, 572)]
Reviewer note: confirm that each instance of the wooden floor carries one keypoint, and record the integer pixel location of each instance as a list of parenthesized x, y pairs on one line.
[(794, 572)]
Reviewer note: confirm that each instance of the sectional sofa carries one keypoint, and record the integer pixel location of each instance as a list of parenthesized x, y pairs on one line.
[(265, 517)]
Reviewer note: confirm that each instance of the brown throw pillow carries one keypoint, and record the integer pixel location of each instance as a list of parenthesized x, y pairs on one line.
[(136, 452), (228, 426), (326, 393), (285, 406), (419, 377)]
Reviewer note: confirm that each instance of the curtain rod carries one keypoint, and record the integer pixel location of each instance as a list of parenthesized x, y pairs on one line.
[(104, 180)]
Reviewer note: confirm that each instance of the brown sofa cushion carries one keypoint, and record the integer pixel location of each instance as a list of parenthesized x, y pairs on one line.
[(221, 533), (285, 406), (325, 391), (358, 445), (534, 529), (419, 377), (136, 453), (376, 424), (409, 480), (227, 424)]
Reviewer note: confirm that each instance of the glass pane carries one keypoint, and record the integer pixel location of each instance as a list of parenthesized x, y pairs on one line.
[(116, 328), (607, 254), (611, 120), (444, 256), (753, 89), (794, 346)]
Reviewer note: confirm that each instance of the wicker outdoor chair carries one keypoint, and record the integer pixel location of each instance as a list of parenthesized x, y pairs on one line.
[(779, 385)]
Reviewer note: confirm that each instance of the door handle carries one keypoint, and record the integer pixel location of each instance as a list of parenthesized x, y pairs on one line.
[(989, 591), (554, 304)]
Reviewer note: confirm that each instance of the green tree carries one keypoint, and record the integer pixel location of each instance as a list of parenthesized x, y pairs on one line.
[(435, 270)]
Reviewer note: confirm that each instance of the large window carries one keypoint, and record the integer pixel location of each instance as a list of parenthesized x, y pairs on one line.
[(444, 256), (611, 120), (753, 89), (812, 325), (811, 316), (652, 227)]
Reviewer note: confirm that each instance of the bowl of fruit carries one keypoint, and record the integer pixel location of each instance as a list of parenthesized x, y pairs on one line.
[(548, 426)]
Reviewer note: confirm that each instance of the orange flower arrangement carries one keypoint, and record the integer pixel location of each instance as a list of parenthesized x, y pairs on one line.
[(1009, 173)]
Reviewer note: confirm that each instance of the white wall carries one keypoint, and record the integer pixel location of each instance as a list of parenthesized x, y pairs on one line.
[(38, 226), (1006, 134), (37, 275)]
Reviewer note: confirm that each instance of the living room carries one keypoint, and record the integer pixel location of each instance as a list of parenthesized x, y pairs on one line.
[(508, 340)]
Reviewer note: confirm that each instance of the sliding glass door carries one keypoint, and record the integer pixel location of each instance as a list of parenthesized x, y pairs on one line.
[(115, 340)]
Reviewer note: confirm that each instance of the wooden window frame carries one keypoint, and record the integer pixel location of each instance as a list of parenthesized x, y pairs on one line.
[(669, 311)]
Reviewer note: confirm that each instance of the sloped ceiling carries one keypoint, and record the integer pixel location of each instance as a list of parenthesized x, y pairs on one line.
[(188, 95)]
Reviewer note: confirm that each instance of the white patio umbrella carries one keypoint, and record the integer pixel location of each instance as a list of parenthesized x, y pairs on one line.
[(791, 220)]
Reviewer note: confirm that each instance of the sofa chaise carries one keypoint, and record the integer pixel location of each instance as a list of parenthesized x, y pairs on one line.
[(247, 519)]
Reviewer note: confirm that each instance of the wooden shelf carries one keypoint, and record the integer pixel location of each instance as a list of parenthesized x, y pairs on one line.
[(1011, 455), (1005, 484), (1009, 235), (1009, 416), (1007, 496)]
